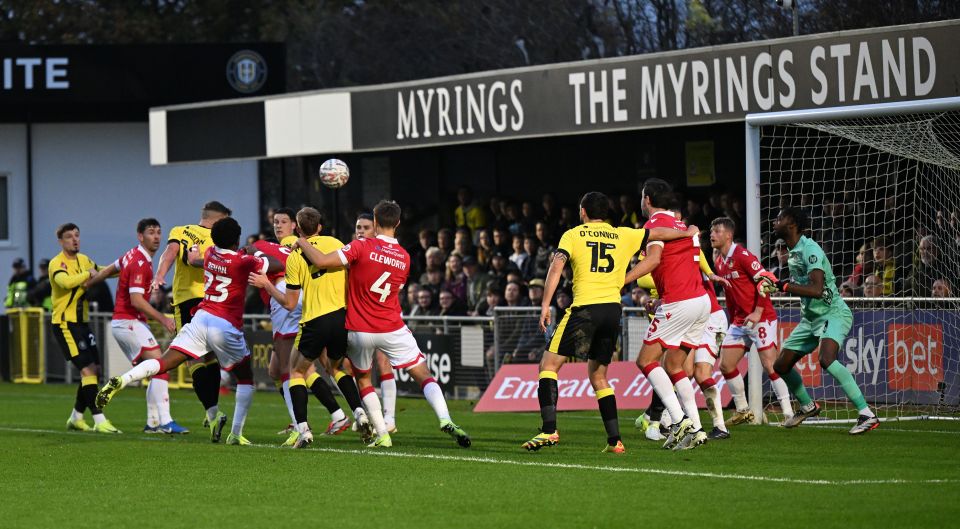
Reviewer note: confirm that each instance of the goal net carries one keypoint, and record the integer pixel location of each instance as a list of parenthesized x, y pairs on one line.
[(881, 187)]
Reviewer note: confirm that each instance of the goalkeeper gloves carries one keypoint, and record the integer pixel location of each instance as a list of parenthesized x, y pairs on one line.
[(768, 283)]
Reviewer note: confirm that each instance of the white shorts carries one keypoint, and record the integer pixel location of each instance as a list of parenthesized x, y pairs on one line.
[(207, 332), (680, 323), (764, 334), (713, 334), (134, 338), (399, 346), (286, 323)]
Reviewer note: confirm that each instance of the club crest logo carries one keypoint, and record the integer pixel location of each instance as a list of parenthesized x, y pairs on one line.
[(246, 71)]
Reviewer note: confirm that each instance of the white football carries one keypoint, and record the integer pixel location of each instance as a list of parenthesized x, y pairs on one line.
[(334, 173)]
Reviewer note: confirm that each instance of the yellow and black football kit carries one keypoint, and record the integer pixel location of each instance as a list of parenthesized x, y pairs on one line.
[(70, 310), (187, 280), (324, 300), (599, 255)]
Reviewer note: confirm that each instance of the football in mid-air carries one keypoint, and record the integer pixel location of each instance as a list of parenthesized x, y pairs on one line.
[(334, 173)]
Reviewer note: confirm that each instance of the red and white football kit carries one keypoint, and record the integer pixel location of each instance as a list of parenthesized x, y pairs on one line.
[(681, 318), (379, 268), (286, 323), (128, 325), (741, 268), (713, 333), (218, 323)]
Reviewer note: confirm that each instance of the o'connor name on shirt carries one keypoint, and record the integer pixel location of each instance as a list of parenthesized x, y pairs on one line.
[(389, 261), (600, 233)]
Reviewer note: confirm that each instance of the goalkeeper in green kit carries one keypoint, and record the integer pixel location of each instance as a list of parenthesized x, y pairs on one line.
[(826, 321)]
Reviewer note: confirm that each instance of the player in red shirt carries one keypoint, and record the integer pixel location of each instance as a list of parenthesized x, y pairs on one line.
[(130, 313), (216, 326), (679, 323), (379, 269), (753, 315)]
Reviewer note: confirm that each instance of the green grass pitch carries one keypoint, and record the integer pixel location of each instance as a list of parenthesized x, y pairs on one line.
[(900, 475)]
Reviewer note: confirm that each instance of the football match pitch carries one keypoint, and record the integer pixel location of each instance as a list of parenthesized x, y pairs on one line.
[(903, 474)]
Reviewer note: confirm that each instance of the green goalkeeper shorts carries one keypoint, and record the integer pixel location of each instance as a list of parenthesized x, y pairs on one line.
[(807, 335)]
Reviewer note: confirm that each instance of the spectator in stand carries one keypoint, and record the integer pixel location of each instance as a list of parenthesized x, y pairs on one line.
[(477, 282), (462, 243), (435, 259), (873, 286), (451, 305), (501, 242), (781, 255), (21, 281), (418, 253), (535, 292), (563, 300), (468, 214), (847, 290), (519, 257), (941, 289), (634, 298), (492, 300), (445, 242), (566, 279), (711, 208), (513, 276), (434, 282), (39, 295), (456, 280), (544, 252), (408, 301), (495, 216), (630, 217), (425, 305), (485, 247), (694, 214), (500, 266), (531, 245), (528, 217), (929, 267), (864, 265), (512, 214), (886, 267), (160, 299), (568, 219), (551, 214)]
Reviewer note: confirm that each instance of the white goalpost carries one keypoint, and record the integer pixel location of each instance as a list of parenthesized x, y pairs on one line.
[(881, 186)]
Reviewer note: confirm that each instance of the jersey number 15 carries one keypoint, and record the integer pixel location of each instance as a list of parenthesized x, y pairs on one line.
[(599, 251)]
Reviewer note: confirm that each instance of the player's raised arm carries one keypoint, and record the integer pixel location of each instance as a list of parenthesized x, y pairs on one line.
[(318, 258), (550, 287), (287, 300), (102, 275), (648, 264), (815, 289), (167, 259), (670, 234)]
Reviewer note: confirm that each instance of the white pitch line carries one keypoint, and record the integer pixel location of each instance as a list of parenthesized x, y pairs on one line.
[(568, 466)]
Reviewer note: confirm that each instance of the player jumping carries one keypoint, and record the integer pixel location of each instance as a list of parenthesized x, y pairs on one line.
[(379, 268), (216, 326), (825, 321)]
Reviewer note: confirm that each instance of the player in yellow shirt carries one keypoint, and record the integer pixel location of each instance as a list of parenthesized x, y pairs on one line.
[(188, 287), (599, 255), (69, 273), (322, 324)]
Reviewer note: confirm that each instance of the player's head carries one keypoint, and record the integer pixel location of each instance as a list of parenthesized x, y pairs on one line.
[(364, 227), (309, 222), (721, 231), (148, 233), (69, 237), (226, 233), (213, 211), (386, 215), (790, 221), (594, 206), (657, 194), (284, 222)]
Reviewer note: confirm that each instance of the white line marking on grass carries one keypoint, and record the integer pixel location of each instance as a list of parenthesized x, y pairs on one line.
[(567, 466)]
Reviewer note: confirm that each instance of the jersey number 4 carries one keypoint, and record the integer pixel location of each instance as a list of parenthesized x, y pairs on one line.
[(380, 286), (220, 285), (599, 251)]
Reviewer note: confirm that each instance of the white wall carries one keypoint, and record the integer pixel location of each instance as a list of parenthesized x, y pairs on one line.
[(13, 162), (98, 176)]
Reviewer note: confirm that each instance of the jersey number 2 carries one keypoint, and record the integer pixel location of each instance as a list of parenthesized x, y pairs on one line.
[(598, 252), (380, 286), (221, 286)]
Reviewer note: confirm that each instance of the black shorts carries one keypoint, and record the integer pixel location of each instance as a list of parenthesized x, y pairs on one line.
[(588, 331), (77, 343), (182, 312), (324, 332)]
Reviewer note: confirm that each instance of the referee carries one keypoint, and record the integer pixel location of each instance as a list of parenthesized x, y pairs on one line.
[(69, 272)]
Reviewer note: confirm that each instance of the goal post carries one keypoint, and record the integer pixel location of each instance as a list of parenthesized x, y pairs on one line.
[(883, 174)]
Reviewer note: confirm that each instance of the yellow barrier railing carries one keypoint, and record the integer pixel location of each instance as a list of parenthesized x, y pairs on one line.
[(27, 348)]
